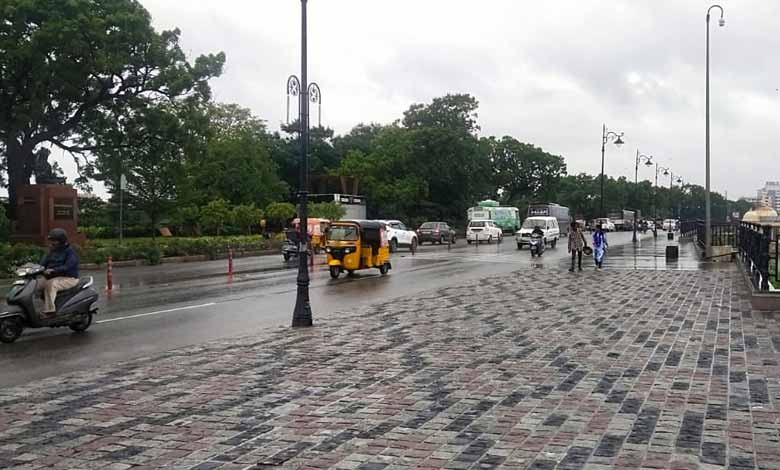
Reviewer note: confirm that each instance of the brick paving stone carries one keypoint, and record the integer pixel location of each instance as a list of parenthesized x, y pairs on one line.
[(620, 369)]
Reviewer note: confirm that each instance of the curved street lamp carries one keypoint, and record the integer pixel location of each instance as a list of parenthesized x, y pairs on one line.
[(707, 202), (302, 316), (617, 139), (314, 94), (648, 160)]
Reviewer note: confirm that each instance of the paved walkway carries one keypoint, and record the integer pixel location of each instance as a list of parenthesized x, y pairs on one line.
[(539, 369)]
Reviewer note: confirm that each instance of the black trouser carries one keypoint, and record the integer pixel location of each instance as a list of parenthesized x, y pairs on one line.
[(576, 254)]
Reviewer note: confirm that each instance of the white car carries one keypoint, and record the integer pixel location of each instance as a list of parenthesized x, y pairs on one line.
[(606, 225), (400, 236), (483, 231), (549, 225), (669, 223)]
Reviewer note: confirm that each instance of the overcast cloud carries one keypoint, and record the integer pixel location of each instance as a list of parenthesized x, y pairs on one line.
[(548, 73)]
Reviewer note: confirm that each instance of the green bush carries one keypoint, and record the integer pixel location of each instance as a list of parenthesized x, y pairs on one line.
[(147, 249), (12, 256)]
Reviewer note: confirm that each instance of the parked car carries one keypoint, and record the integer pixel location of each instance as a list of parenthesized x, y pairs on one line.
[(484, 231), (549, 226), (436, 232), (399, 236)]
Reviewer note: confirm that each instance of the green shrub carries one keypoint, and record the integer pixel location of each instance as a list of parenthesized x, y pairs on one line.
[(150, 250), (12, 256), (153, 255)]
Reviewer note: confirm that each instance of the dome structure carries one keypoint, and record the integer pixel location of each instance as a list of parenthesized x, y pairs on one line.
[(762, 215)]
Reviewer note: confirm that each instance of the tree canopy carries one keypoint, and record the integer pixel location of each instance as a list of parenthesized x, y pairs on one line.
[(68, 67)]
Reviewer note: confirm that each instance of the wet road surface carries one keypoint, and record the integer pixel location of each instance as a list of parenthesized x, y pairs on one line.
[(158, 308)]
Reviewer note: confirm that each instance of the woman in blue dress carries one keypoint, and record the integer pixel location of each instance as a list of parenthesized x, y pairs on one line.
[(599, 246)]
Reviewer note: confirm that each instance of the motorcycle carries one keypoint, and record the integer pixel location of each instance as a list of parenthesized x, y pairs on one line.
[(75, 307), (291, 245), (536, 245)]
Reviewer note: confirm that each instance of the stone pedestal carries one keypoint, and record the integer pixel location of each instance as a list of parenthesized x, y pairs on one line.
[(42, 207)]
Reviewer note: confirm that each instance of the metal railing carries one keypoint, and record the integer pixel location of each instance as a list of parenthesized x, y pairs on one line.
[(723, 233), (758, 248)]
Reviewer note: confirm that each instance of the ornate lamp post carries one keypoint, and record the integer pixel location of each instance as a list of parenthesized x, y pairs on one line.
[(648, 162), (607, 136), (707, 202), (655, 192), (302, 316)]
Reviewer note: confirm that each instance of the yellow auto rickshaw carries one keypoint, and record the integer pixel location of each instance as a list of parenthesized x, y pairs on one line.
[(357, 244), (317, 229)]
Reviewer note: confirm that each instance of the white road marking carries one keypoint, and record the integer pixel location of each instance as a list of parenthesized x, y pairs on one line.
[(179, 309)]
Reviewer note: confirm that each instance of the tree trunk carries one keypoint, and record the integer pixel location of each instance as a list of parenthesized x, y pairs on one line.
[(19, 159)]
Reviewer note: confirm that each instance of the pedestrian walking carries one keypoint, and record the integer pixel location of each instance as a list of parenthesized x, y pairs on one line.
[(576, 245), (599, 246)]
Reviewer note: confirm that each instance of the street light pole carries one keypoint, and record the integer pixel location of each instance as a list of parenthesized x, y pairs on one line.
[(302, 316), (657, 169), (707, 200), (606, 136), (648, 161)]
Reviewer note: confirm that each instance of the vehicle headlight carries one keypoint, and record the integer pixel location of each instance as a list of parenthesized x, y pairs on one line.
[(328, 250), (347, 250), (22, 272)]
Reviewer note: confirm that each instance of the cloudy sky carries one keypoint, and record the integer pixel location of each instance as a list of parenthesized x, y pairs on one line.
[(548, 73)]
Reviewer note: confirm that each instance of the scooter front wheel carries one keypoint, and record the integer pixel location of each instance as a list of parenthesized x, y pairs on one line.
[(83, 324), (10, 330)]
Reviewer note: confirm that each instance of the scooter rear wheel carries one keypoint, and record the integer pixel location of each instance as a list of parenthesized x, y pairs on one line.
[(10, 330), (82, 325)]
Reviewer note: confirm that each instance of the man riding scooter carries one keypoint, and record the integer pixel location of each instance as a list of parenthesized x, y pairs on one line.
[(61, 269), (537, 242)]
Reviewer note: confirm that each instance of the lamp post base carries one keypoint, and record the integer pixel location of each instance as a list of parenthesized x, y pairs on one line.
[(302, 313)]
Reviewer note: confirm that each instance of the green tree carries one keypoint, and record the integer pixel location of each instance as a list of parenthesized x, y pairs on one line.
[(278, 213), (327, 210), (246, 217), (215, 215), (67, 64), (154, 164), (187, 219), (457, 112), (236, 165), (523, 172)]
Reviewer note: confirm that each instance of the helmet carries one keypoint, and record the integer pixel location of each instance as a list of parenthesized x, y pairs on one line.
[(58, 235)]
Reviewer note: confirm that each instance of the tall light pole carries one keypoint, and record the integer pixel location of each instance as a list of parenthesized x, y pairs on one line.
[(655, 192), (302, 313), (707, 201), (666, 172), (607, 136), (671, 204), (649, 162)]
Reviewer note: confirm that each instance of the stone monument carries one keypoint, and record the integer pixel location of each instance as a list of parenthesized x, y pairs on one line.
[(48, 204)]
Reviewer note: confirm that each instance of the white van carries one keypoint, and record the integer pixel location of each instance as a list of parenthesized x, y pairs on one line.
[(549, 226)]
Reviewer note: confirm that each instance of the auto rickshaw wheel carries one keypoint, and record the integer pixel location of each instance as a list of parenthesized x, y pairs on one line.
[(351, 273), (335, 271), (286, 256), (393, 245), (383, 269), (10, 330)]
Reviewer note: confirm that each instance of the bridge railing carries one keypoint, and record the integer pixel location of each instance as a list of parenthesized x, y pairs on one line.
[(759, 251), (723, 233)]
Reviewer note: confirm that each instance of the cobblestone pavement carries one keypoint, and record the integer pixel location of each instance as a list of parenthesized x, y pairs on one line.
[(540, 369)]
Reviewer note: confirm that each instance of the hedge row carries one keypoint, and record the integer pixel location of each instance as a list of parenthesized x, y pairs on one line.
[(148, 249)]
